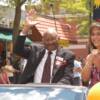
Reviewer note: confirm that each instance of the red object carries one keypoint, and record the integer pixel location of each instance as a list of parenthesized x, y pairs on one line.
[(47, 70), (98, 20), (4, 78), (65, 30)]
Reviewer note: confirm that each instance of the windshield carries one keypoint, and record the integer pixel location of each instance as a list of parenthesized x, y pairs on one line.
[(41, 93)]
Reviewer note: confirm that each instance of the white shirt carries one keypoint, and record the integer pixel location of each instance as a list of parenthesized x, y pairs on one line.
[(77, 64), (23, 63), (39, 71)]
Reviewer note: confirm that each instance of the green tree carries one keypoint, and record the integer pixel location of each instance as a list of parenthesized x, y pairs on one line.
[(71, 6), (16, 25), (17, 4)]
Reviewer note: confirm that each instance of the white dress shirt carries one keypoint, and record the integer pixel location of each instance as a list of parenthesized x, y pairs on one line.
[(77, 64), (40, 68)]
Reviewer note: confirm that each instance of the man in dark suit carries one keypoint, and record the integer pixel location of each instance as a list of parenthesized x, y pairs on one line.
[(62, 63), (62, 60)]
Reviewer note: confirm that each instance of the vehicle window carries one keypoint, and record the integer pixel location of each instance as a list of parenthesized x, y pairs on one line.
[(41, 93)]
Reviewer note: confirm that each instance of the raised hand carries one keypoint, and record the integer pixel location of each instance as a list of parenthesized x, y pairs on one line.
[(29, 21), (31, 16)]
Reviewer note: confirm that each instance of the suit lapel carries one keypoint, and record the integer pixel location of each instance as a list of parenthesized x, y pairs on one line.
[(58, 67), (55, 67), (40, 55)]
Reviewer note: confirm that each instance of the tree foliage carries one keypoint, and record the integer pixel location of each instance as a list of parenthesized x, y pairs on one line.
[(16, 24), (70, 6), (46, 6), (73, 7)]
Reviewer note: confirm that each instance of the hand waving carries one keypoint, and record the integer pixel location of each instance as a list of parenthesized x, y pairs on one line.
[(29, 21)]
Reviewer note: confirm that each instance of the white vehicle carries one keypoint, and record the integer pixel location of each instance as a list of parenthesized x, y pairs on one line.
[(42, 92)]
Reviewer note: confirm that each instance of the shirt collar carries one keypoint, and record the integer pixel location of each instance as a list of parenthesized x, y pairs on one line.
[(53, 51)]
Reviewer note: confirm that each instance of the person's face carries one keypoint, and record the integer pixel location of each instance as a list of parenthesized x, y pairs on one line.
[(95, 36), (50, 41)]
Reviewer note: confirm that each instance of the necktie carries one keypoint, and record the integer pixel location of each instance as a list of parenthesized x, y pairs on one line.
[(47, 70)]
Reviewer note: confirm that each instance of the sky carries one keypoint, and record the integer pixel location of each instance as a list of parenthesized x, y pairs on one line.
[(2, 3)]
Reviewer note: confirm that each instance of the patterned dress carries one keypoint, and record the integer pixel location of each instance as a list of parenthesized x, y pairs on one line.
[(95, 76)]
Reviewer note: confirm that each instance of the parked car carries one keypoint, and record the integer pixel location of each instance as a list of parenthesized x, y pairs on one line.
[(42, 92)]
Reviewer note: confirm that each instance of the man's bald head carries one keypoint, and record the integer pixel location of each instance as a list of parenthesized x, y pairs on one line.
[(50, 37)]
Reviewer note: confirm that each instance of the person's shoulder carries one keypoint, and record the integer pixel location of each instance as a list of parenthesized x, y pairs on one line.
[(88, 56), (67, 53), (37, 46)]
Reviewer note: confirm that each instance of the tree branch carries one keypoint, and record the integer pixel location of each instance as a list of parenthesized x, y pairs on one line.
[(22, 2)]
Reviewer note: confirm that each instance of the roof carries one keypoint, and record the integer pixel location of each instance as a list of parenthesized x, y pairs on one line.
[(65, 30)]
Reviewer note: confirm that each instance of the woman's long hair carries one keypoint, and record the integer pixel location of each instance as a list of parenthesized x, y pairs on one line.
[(93, 25)]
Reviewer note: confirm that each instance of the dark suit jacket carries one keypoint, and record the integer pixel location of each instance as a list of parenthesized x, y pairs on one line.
[(61, 74)]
